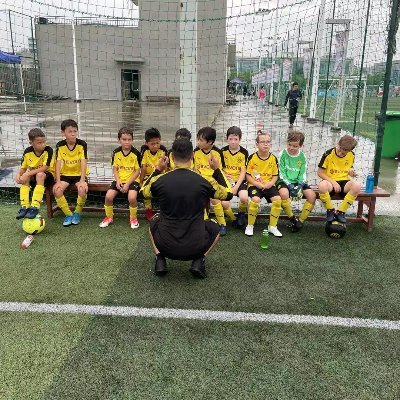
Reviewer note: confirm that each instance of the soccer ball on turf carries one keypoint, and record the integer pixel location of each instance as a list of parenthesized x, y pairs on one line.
[(335, 229), (33, 226)]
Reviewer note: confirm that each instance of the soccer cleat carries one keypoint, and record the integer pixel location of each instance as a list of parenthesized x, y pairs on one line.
[(198, 268), (134, 223), (160, 267), (149, 214), (330, 215), (21, 213), (340, 217), (222, 230), (249, 230), (295, 224), (275, 231), (106, 221), (76, 218), (241, 220), (32, 212), (67, 220)]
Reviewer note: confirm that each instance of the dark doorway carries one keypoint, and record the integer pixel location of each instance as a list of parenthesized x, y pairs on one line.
[(130, 81)]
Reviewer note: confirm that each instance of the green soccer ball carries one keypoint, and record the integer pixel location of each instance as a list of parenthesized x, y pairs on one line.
[(33, 226), (335, 229)]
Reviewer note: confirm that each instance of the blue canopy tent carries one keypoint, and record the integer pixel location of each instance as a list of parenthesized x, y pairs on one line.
[(8, 58)]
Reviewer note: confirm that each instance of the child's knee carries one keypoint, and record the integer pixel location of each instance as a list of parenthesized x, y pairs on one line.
[(255, 199), (40, 177), (355, 187), (323, 186), (284, 193)]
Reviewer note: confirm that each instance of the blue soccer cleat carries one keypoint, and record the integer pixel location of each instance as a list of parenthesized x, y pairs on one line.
[(67, 220), (76, 218)]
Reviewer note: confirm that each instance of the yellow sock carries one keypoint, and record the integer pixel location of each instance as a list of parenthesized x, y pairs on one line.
[(287, 207), (305, 212), (80, 202), (37, 196), (63, 204), (253, 211), (347, 202), (326, 200), (275, 212), (133, 212), (229, 214), (242, 207), (147, 204), (109, 210), (24, 195), (219, 213)]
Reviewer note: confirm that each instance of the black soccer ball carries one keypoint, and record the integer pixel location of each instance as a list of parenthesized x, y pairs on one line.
[(335, 229)]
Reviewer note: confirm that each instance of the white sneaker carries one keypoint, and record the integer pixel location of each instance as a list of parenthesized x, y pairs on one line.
[(106, 221), (274, 230), (249, 230), (134, 223)]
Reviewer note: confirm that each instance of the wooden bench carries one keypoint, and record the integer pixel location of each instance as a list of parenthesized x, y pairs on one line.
[(364, 199)]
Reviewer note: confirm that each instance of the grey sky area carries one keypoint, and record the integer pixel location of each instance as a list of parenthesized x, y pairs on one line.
[(259, 28)]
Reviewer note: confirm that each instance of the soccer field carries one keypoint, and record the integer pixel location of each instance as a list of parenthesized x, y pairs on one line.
[(83, 356)]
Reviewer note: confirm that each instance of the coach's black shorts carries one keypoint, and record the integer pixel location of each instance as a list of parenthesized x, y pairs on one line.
[(48, 181), (71, 179), (281, 184), (263, 193), (132, 186), (342, 184), (188, 251)]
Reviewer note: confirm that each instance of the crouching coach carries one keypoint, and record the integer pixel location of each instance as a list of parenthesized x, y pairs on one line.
[(180, 232)]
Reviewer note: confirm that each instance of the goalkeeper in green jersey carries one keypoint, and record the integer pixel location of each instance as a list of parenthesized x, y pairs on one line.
[(292, 181)]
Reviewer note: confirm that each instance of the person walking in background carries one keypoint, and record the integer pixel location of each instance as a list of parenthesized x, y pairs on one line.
[(292, 97)]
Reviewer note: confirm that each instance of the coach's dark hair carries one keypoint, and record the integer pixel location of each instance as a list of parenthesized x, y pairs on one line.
[(183, 133), (125, 131), (182, 150), (68, 122), (234, 130), (207, 133), (152, 133), (35, 133), (295, 83)]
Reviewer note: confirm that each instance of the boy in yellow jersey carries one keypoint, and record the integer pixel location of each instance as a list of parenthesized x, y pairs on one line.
[(235, 158), (36, 171), (181, 133), (71, 169), (201, 155), (262, 174), (292, 182), (335, 169), (126, 169), (150, 154)]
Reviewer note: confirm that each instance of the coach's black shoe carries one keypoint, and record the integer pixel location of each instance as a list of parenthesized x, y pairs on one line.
[(21, 213), (198, 268), (160, 268), (340, 217), (330, 215)]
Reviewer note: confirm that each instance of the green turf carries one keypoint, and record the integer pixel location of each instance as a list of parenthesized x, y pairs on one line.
[(70, 357), (304, 273)]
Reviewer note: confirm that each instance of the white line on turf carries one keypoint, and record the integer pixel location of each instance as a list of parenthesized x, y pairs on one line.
[(205, 315)]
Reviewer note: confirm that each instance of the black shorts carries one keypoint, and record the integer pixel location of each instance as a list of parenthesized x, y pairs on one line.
[(132, 186), (263, 193), (186, 252), (71, 179), (242, 186), (48, 181), (342, 184), (282, 184)]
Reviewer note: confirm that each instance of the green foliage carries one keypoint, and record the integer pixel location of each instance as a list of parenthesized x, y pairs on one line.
[(375, 78)]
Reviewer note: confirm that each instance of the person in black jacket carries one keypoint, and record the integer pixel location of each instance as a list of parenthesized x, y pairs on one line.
[(180, 231), (292, 97)]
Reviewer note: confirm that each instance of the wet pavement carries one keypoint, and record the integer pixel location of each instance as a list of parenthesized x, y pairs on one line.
[(99, 122)]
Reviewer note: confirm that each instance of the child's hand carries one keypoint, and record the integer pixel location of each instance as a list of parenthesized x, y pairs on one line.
[(82, 185), (353, 173), (213, 162), (24, 179), (162, 163), (124, 187), (336, 187)]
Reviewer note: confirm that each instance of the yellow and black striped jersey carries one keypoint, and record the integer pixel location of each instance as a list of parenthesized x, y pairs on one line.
[(149, 160), (172, 164), (234, 162), (266, 168), (337, 167), (71, 157), (201, 164), (126, 164), (31, 160)]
